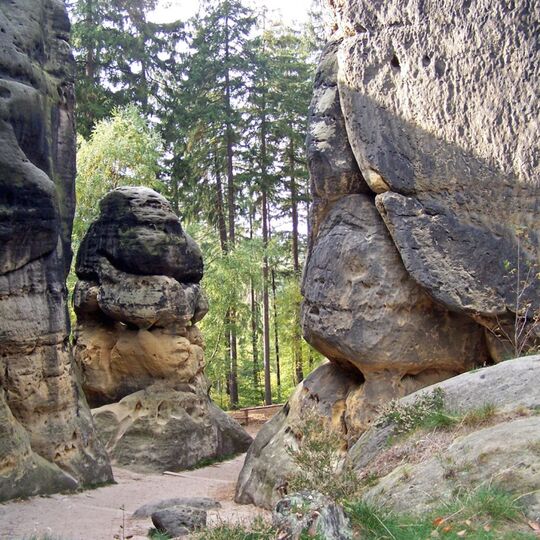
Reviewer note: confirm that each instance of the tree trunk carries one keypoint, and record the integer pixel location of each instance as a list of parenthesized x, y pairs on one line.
[(233, 379), (297, 334), (276, 336), (222, 227), (254, 321), (266, 317)]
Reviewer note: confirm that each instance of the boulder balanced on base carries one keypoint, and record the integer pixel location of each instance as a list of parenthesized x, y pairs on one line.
[(139, 350), (424, 171)]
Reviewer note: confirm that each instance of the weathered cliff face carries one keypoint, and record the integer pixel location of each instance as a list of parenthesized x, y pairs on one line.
[(424, 174), (47, 441), (140, 353)]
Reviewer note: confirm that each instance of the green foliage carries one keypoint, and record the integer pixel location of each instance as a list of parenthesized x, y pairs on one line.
[(227, 282), (427, 410), (122, 150), (121, 57), (319, 460), (258, 530), (154, 534), (487, 513)]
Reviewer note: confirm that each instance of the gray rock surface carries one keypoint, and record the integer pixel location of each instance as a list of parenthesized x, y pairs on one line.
[(419, 85), (506, 455), (204, 503), (368, 312), (310, 514), (168, 427), (179, 520), (334, 172), (138, 232), (502, 452), (48, 442), (507, 385), (148, 301), (268, 463)]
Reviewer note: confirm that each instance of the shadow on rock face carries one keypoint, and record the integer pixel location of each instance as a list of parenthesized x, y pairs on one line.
[(47, 440)]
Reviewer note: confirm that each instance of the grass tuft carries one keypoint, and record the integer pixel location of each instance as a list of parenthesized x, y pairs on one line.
[(487, 513), (258, 530), (154, 534), (480, 416)]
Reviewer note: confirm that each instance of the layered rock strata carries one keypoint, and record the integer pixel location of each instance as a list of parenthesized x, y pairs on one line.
[(47, 441), (425, 221), (140, 353)]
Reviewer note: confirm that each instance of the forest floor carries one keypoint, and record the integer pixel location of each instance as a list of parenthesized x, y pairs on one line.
[(100, 513)]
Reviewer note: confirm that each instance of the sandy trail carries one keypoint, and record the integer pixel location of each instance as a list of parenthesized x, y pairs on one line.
[(97, 514)]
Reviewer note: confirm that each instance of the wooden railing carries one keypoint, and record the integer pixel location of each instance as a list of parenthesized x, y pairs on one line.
[(259, 415)]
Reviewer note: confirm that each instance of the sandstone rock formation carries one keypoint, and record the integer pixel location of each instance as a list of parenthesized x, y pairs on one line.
[(504, 453), (47, 442), (140, 353), (310, 514), (425, 223), (138, 298)]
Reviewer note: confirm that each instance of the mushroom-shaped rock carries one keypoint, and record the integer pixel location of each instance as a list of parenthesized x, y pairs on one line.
[(139, 233), (139, 350)]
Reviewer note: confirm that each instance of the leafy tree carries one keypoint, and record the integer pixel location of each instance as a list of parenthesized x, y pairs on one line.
[(227, 96), (122, 150), (121, 57)]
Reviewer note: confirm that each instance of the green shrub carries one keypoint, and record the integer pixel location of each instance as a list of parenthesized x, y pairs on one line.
[(426, 410), (319, 461)]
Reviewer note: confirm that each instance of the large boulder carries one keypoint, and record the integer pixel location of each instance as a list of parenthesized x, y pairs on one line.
[(139, 233), (168, 427), (424, 229), (502, 450), (139, 350), (48, 442)]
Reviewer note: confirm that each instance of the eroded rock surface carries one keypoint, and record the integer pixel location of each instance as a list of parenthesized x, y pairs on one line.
[(439, 102), (425, 219), (138, 298), (47, 443), (502, 451), (310, 514), (140, 353)]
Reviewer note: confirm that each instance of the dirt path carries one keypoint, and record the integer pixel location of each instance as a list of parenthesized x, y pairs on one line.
[(97, 514)]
